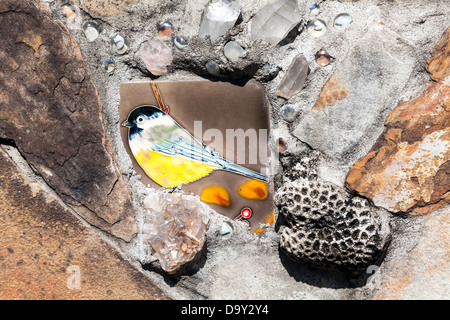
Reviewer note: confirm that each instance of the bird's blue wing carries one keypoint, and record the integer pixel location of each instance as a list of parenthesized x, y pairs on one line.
[(173, 140)]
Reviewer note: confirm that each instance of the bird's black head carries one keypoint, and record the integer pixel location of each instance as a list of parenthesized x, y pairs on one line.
[(139, 116)]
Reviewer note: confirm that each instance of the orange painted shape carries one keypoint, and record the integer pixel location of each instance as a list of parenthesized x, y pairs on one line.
[(217, 195), (253, 190), (270, 219)]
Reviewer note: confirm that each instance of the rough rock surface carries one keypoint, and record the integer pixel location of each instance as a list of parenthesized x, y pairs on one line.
[(369, 76), (408, 168), (327, 227), (424, 270), (44, 247), (50, 109)]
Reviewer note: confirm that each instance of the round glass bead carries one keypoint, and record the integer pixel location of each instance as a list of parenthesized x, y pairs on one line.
[(212, 68), (108, 64), (165, 29), (69, 11), (342, 21), (226, 230), (314, 8), (316, 28), (180, 43), (282, 145), (91, 30), (323, 58), (119, 44), (233, 51), (288, 112)]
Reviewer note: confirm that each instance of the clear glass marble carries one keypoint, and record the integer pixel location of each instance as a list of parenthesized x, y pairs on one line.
[(212, 68), (288, 112), (108, 64), (119, 44), (180, 43), (342, 21), (91, 30)]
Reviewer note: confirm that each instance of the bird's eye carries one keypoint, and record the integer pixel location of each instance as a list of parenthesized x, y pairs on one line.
[(140, 119)]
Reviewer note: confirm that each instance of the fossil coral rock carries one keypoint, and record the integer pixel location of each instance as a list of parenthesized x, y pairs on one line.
[(175, 227), (408, 168), (328, 227)]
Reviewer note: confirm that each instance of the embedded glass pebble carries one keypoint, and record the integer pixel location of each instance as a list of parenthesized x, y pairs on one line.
[(282, 145), (288, 112), (314, 8), (119, 44), (165, 29), (91, 30), (180, 43), (212, 68), (233, 51), (108, 64), (226, 230), (316, 28), (323, 58), (69, 11), (342, 21)]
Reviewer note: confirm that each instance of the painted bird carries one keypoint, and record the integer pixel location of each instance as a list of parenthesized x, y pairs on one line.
[(169, 154)]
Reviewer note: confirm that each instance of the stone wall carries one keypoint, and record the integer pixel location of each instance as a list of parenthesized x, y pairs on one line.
[(371, 129)]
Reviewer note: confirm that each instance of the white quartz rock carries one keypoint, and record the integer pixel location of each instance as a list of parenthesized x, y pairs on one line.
[(218, 17), (274, 21), (175, 227)]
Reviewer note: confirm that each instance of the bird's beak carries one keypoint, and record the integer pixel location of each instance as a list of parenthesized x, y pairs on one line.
[(127, 123)]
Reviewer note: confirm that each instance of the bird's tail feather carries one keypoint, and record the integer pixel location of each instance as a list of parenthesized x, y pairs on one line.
[(244, 171)]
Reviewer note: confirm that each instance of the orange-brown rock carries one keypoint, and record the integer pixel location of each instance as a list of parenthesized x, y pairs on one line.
[(408, 168), (107, 8), (51, 111), (333, 91), (47, 253)]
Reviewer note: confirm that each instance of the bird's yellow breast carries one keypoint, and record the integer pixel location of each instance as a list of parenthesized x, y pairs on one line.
[(169, 171)]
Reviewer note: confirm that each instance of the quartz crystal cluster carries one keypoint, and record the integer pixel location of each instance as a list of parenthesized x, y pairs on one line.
[(274, 21), (218, 17), (175, 227)]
